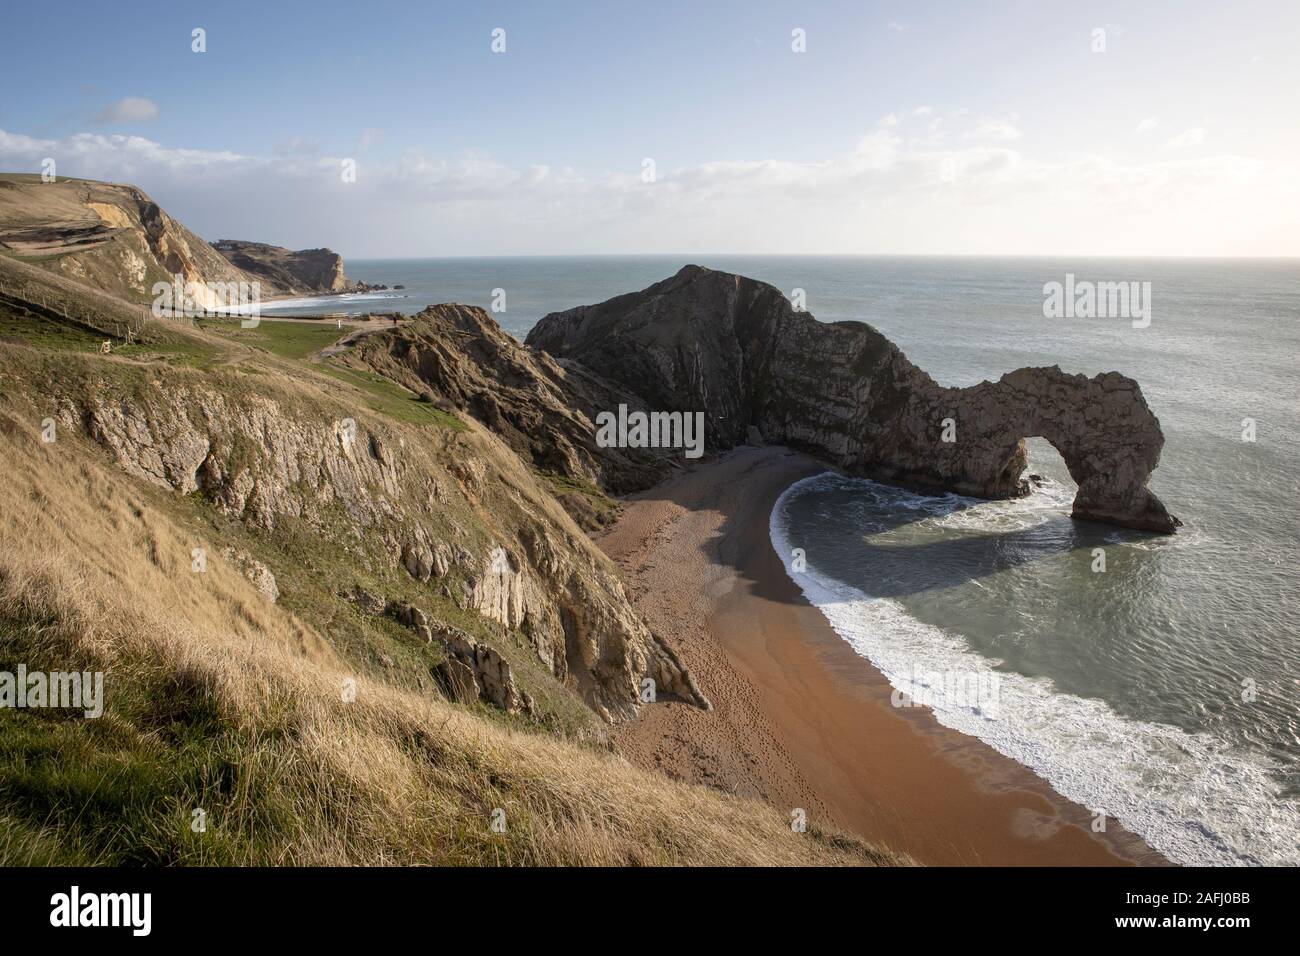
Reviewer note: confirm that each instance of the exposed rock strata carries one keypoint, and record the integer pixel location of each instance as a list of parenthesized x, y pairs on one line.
[(472, 670), (489, 671), (738, 350), (116, 238), (110, 236), (284, 270), (461, 359), (262, 577), (443, 506)]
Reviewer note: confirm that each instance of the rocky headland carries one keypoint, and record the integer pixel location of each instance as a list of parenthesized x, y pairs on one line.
[(110, 236), (286, 271), (406, 512), (842, 392), (115, 238)]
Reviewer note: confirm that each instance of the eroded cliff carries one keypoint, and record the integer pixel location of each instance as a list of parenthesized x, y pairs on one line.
[(736, 349), (458, 357), (453, 509), (110, 236), (298, 272)]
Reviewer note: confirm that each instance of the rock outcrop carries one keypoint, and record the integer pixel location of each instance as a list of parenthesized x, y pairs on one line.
[(262, 577), (459, 358), (472, 670), (457, 511), (115, 238), (471, 661), (110, 236), (302, 272), (736, 349)]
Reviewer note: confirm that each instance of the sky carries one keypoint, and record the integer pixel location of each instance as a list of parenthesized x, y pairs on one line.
[(1002, 127)]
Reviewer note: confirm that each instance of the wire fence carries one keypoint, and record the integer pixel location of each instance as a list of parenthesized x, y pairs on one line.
[(122, 320)]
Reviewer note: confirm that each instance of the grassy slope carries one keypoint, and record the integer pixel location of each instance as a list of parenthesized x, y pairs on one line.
[(220, 701)]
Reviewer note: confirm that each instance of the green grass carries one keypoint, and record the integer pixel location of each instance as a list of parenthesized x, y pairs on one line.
[(295, 341), (302, 341), (176, 347), (605, 508), (291, 340), (121, 789), (118, 797), (385, 396), (45, 257), (158, 341), (44, 333)]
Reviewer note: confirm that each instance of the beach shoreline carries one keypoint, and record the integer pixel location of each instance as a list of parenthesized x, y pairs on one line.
[(799, 719)]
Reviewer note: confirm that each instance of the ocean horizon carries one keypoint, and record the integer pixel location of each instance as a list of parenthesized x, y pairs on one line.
[(412, 460)]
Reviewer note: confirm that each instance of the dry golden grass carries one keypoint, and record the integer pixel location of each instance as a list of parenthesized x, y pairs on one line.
[(216, 699)]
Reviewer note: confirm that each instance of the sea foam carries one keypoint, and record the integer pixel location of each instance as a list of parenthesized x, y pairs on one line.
[(325, 301), (1194, 798)]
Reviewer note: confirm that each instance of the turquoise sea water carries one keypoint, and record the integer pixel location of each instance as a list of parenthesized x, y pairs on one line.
[(1162, 691)]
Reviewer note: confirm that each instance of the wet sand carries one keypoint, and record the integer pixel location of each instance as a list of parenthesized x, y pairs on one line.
[(799, 719)]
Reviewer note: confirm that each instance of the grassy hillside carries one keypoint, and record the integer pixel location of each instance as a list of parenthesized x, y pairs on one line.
[(221, 701)]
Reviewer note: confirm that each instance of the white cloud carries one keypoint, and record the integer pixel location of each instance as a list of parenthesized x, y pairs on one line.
[(113, 157), (897, 27), (1188, 138), (888, 194), (131, 109), (890, 120), (995, 128), (1147, 125)]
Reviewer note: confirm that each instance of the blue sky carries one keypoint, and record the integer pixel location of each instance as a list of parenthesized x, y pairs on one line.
[(905, 127)]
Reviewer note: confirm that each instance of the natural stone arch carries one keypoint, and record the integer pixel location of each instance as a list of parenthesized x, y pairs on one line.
[(1102, 428), (736, 348)]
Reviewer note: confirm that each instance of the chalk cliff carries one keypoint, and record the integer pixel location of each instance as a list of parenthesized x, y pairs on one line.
[(114, 237)]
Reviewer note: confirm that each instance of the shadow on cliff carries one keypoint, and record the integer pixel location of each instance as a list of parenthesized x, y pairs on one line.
[(743, 542)]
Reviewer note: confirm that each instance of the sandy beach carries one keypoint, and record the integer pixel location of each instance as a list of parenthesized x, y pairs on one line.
[(799, 719)]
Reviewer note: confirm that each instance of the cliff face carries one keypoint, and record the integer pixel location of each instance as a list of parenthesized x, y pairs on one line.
[(327, 583), (322, 596), (115, 238), (110, 236), (455, 511), (447, 514), (458, 357), (300, 273), (735, 348)]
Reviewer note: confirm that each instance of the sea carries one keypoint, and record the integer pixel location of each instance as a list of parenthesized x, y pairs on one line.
[(1153, 680)]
